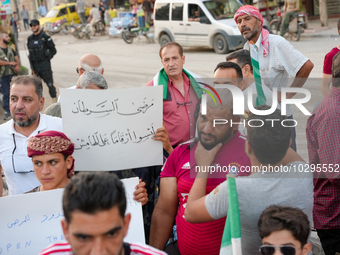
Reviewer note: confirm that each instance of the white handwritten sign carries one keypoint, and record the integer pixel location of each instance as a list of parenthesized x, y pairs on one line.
[(31, 222), (113, 129)]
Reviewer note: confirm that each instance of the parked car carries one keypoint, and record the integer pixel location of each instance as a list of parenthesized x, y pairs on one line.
[(62, 11), (198, 23)]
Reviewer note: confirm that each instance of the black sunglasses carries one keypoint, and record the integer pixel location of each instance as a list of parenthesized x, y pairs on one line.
[(77, 69), (284, 249), (179, 104), (19, 158), (32, 25)]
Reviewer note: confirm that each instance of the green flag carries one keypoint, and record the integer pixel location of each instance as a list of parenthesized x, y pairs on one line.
[(261, 98), (231, 240)]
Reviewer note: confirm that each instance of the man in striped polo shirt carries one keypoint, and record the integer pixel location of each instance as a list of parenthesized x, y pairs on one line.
[(95, 222)]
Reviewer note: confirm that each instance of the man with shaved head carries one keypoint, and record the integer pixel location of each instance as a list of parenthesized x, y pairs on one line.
[(89, 62)]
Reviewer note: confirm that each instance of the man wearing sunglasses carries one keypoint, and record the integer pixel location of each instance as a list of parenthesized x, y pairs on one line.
[(41, 50), (26, 102), (285, 229), (88, 62), (279, 176)]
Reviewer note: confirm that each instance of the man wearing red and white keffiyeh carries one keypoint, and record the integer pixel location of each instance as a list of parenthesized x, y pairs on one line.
[(277, 58)]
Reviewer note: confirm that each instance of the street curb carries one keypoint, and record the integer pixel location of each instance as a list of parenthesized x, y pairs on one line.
[(318, 35)]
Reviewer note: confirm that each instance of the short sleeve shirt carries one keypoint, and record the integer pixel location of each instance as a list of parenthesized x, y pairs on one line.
[(181, 165), (180, 119), (80, 6), (95, 13), (260, 190), (282, 61), (17, 166), (327, 64)]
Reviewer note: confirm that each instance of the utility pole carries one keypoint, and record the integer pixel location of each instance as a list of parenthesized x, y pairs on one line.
[(323, 13)]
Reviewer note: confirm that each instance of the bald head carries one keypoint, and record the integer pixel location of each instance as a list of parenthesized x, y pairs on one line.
[(90, 62)]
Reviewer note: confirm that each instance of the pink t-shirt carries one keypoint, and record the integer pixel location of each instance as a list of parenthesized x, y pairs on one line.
[(201, 238), (327, 64), (179, 119)]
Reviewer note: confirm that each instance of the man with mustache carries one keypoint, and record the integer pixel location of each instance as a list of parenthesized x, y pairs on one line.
[(277, 58), (9, 67), (26, 101), (179, 173), (181, 93)]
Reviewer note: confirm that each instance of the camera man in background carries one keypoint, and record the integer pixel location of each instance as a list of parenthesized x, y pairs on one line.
[(41, 50)]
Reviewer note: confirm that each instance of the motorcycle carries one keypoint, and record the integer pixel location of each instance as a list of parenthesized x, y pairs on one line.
[(100, 27), (297, 24), (80, 31), (56, 27), (131, 30)]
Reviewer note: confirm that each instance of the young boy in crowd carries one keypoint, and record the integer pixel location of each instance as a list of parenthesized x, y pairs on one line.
[(285, 229)]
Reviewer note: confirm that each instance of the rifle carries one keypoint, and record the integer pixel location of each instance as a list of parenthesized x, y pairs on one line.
[(9, 66), (29, 60)]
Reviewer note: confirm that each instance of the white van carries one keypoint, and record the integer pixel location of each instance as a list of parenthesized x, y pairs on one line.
[(198, 23)]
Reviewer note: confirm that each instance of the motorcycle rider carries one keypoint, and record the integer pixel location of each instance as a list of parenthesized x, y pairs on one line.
[(41, 50), (290, 8), (94, 17)]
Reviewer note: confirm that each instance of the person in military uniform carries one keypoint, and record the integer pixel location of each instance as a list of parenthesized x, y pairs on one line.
[(41, 50), (9, 67)]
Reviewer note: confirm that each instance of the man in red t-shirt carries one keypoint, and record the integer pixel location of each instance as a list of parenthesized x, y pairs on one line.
[(327, 68), (179, 174)]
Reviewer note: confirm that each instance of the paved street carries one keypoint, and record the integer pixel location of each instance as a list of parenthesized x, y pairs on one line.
[(133, 65)]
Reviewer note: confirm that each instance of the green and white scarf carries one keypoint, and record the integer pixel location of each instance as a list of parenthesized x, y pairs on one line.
[(231, 239), (161, 78)]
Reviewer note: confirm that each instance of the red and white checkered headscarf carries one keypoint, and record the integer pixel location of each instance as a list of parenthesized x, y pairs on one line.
[(253, 11), (49, 142)]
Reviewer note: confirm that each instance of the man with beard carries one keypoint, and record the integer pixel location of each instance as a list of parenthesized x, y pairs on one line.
[(9, 67), (26, 100), (41, 50), (277, 58), (179, 173)]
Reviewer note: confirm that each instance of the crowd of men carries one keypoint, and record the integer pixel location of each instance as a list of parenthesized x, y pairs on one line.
[(278, 202)]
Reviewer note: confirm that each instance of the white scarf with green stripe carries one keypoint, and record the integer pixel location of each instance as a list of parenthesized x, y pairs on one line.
[(261, 98)]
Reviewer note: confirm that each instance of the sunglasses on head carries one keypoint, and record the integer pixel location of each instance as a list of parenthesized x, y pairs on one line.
[(284, 249), (77, 69)]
